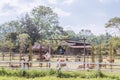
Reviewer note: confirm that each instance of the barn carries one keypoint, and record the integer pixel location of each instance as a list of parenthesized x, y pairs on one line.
[(75, 47)]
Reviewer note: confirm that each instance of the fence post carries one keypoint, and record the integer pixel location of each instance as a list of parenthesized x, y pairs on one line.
[(49, 64), (3, 55), (111, 66), (22, 67), (59, 69), (98, 66)]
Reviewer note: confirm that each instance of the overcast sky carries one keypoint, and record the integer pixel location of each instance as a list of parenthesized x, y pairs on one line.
[(73, 14)]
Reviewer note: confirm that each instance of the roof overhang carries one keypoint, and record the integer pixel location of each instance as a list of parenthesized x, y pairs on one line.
[(80, 46)]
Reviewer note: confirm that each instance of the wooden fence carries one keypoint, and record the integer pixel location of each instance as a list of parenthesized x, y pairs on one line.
[(60, 65)]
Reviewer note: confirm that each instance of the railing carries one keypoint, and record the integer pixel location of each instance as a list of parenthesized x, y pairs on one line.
[(23, 65), (66, 65)]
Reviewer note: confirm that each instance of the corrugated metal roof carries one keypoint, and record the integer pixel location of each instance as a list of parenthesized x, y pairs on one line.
[(69, 41), (80, 46)]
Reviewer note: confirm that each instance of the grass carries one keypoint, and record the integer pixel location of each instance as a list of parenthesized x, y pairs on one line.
[(52, 75), (6, 74), (50, 78)]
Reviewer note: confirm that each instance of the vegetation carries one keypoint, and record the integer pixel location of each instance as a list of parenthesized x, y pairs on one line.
[(115, 23), (52, 74), (41, 24), (52, 78)]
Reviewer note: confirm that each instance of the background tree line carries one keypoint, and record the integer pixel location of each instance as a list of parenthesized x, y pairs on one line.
[(42, 24)]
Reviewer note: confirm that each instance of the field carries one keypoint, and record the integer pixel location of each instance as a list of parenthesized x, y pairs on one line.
[(72, 73), (51, 78), (6, 74)]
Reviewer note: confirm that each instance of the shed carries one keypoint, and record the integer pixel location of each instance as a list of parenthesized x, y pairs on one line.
[(76, 47)]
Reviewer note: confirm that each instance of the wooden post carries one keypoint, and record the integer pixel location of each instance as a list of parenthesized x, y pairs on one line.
[(10, 45), (99, 57), (50, 52), (84, 52), (40, 54), (10, 55), (93, 56), (22, 67), (111, 55), (20, 51), (30, 54), (59, 69), (3, 55), (50, 48)]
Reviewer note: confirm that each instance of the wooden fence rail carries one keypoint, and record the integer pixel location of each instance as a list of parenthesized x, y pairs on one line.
[(63, 65), (24, 65)]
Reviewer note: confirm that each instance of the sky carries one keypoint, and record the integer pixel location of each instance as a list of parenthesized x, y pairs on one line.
[(73, 14)]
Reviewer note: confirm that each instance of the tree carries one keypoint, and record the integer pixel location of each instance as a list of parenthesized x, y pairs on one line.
[(114, 22), (87, 34), (29, 28), (115, 43), (23, 40), (41, 23), (71, 35), (9, 30), (46, 21)]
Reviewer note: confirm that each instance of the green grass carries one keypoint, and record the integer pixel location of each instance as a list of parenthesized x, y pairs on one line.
[(51, 78), (52, 75)]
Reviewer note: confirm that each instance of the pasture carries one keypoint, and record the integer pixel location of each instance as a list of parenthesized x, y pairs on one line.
[(68, 72), (72, 64), (50, 78)]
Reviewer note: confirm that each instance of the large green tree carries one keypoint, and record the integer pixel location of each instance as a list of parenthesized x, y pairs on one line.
[(46, 21), (29, 28), (40, 23)]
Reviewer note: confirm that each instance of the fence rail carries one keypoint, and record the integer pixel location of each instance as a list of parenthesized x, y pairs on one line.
[(63, 65)]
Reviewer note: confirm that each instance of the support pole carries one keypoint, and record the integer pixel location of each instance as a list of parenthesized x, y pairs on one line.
[(99, 58), (30, 54), (10, 50), (10, 56), (111, 56), (22, 66), (20, 51), (3, 56), (93, 56), (84, 52), (59, 69), (40, 55)]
